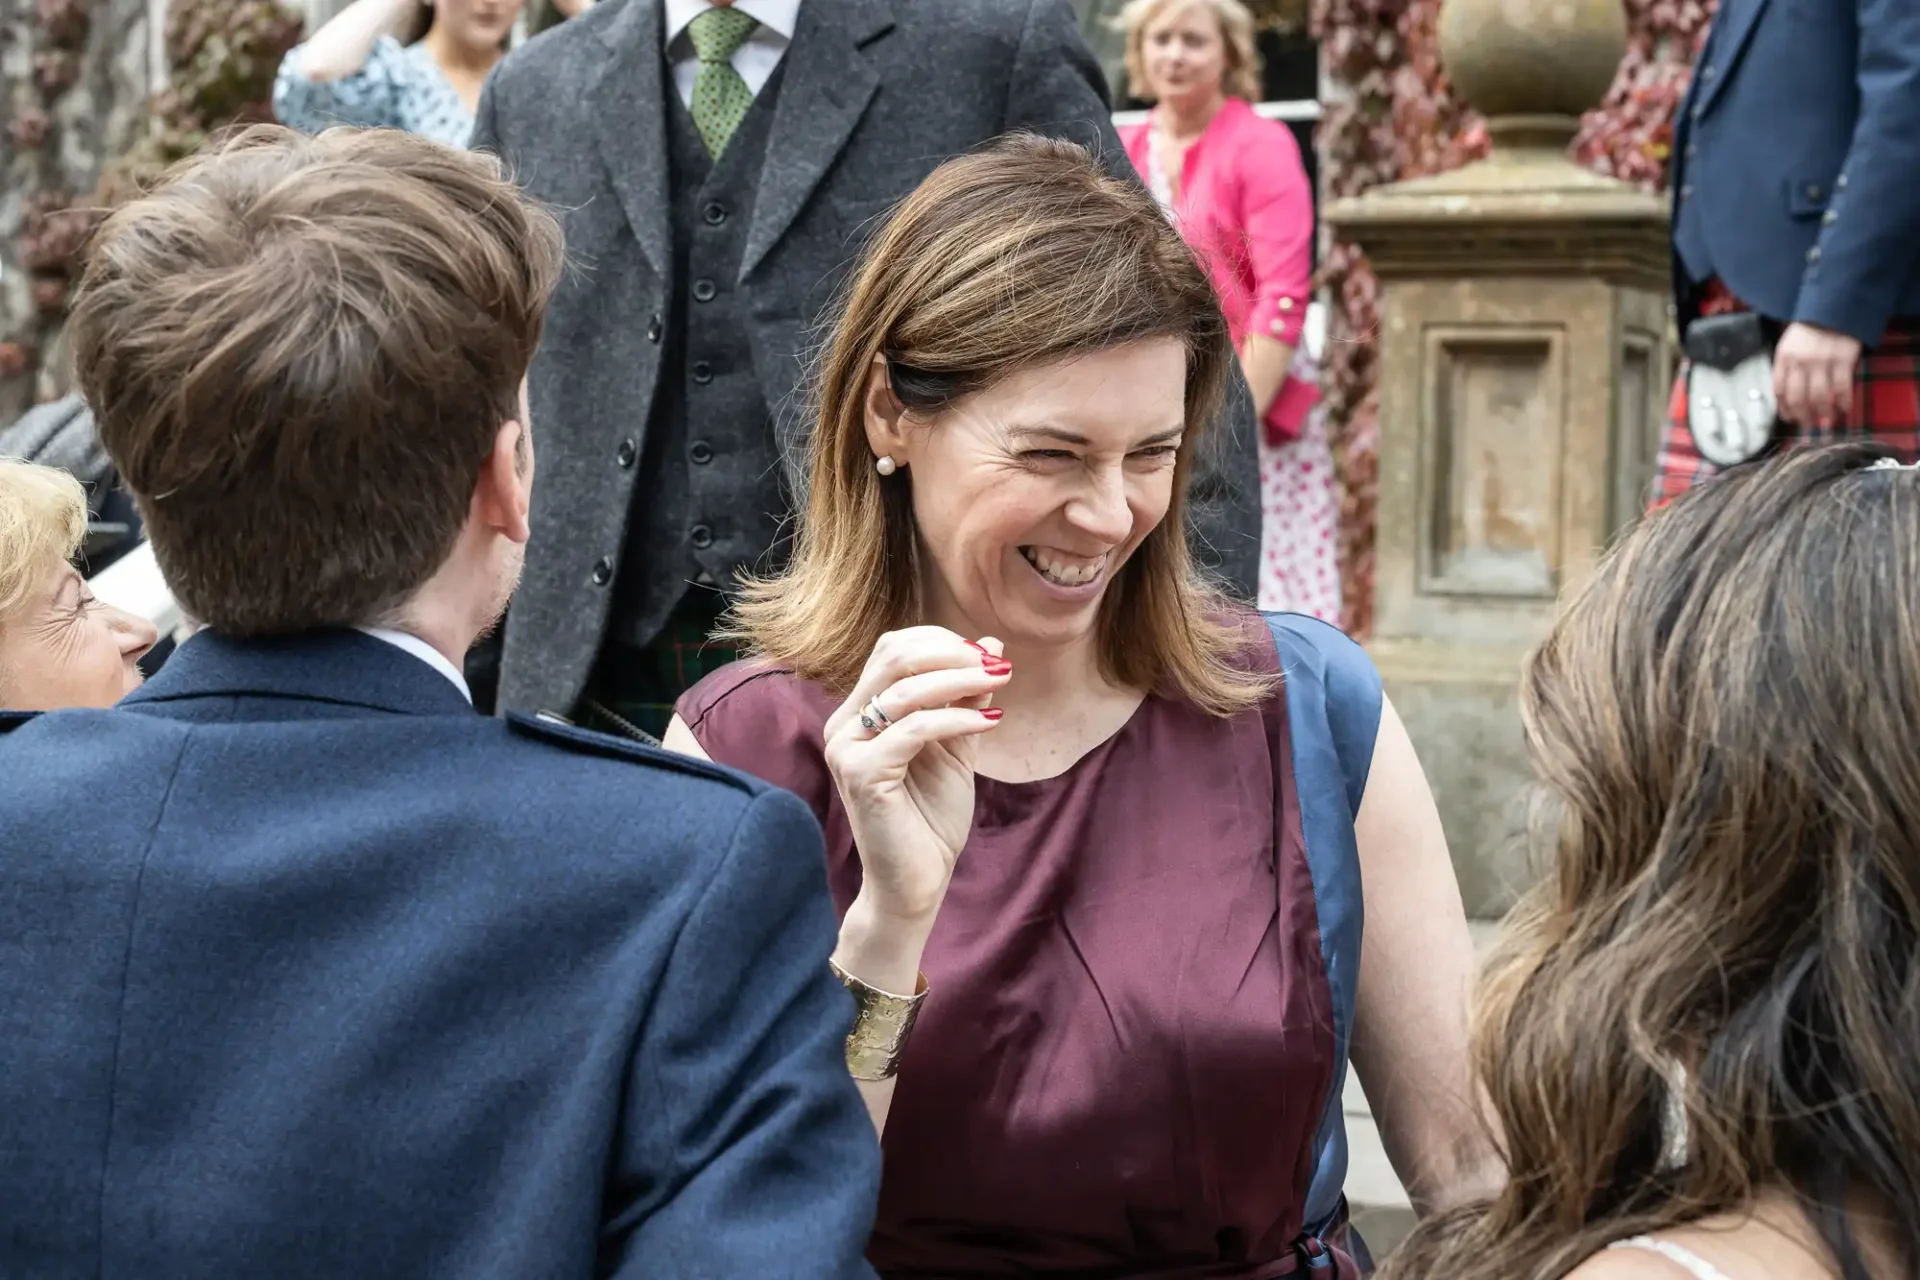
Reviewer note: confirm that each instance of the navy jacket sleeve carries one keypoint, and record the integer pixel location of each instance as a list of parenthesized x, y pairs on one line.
[(748, 1151), (1870, 247)]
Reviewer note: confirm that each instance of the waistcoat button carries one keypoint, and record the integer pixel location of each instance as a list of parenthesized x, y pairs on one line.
[(701, 452), (653, 328), (626, 453), (602, 571), (703, 291), (701, 536), (715, 213), (702, 372)]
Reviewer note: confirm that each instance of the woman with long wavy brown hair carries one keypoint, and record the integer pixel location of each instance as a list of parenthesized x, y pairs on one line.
[(1701, 1040)]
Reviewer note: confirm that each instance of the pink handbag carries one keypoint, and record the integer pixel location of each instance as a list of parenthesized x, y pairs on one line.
[(1288, 412)]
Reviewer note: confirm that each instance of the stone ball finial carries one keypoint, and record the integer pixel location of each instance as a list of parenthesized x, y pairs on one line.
[(1532, 66)]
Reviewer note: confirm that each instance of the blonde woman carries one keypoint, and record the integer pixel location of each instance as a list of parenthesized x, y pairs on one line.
[(1235, 185), (59, 647), (1098, 838)]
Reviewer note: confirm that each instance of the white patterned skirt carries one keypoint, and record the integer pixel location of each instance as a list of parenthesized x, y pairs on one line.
[(1300, 515)]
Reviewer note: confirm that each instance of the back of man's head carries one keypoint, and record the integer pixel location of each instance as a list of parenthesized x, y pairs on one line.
[(300, 352)]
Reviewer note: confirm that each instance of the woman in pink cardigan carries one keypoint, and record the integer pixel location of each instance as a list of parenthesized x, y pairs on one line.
[(1234, 184)]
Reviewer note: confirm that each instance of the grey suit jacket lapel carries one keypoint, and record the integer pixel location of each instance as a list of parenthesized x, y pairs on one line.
[(825, 88), (632, 125)]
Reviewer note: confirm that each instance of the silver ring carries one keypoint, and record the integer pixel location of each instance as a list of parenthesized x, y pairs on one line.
[(872, 718)]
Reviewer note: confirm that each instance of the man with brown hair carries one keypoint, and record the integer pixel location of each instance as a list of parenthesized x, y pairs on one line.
[(306, 969)]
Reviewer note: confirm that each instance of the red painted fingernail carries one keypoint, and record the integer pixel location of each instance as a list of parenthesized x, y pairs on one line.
[(992, 713), (996, 666), (971, 645)]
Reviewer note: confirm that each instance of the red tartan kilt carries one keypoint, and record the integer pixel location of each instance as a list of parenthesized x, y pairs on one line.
[(1886, 410)]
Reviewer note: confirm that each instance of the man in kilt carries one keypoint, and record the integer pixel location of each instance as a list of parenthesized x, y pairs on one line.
[(1796, 196)]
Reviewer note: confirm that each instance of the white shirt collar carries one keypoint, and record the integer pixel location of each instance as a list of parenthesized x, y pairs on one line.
[(422, 650), (777, 16)]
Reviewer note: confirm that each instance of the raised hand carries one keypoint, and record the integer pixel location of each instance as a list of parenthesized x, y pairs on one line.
[(900, 749)]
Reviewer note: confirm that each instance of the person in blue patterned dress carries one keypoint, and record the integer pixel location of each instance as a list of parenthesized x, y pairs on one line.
[(356, 70)]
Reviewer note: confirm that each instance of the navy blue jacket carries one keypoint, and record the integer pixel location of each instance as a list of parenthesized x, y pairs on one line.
[(308, 970), (1797, 160)]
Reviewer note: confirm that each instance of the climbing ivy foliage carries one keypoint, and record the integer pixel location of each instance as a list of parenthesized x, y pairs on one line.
[(1630, 136), (1390, 116), (42, 64), (221, 57)]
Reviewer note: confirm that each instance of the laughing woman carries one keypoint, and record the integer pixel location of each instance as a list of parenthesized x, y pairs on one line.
[(1104, 835)]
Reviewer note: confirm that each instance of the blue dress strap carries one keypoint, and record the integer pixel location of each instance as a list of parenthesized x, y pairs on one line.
[(1333, 701)]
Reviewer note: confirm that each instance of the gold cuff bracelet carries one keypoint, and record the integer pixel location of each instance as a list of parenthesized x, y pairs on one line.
[(881, 1024)]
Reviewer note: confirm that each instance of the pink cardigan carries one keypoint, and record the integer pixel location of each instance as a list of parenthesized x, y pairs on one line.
[(1247, 210)]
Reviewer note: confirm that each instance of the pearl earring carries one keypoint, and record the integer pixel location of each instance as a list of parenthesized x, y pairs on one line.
[(885, 465)]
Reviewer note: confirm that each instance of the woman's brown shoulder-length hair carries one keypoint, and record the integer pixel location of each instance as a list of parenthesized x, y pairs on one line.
[(1024, 253)]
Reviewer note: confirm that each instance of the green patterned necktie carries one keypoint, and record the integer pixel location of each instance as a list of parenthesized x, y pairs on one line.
[(720, 96)]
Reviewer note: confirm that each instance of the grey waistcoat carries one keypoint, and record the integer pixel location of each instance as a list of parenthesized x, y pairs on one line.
[(709, 498)]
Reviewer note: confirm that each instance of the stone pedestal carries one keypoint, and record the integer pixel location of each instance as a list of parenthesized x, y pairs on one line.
[(1524, 362)]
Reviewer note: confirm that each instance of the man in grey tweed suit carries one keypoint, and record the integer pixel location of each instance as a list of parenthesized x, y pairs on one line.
[(717, 165)]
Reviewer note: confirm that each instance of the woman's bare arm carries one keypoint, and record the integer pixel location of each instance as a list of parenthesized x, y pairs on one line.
[(340, 48), (1416, 965), (1265, 361)]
